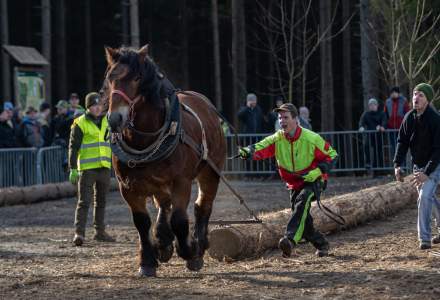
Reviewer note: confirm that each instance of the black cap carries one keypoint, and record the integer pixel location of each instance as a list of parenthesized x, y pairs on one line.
[(92, 99), (44, 106), (395, 89), (287, 107)]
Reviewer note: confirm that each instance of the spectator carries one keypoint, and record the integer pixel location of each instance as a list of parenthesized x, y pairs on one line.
[(304, 118), (29, 133), (396, 106), (420, 133), (373, 119), (251, 116), (60, 125), (7, 134), (75, 109), (44, 121), (273, 116)]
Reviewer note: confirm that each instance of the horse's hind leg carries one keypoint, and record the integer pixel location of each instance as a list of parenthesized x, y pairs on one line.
[(163, 233), (208, 182), (141, 219)]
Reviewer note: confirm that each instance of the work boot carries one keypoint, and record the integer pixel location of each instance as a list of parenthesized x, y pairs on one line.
[(323, 250), (285, 246), (102, 236), (424, 245), (436, 240), (78, 240)]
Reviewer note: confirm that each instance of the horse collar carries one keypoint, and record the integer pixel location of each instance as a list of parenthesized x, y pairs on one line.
[(166, 142)]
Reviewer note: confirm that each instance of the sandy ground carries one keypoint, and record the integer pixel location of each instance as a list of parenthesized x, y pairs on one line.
[(378, 260)]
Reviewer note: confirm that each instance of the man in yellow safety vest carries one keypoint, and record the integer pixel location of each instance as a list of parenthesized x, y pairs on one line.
[(90, 164)]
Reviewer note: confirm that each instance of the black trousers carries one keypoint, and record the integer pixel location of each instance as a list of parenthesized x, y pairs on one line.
[(300, 224)]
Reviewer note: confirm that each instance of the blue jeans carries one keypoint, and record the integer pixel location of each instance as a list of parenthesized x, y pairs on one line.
[(428, 204)]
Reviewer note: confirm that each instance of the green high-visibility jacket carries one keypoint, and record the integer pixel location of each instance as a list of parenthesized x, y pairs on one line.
[(296, 156), (95, 151)]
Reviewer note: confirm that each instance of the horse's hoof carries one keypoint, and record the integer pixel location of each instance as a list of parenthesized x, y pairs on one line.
[(165, 254), (147, 271), (195, 264)]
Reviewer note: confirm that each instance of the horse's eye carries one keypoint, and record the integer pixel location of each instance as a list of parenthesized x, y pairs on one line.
[(137, 78)]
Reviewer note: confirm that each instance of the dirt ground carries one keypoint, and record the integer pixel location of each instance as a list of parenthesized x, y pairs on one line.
[(378, 260)]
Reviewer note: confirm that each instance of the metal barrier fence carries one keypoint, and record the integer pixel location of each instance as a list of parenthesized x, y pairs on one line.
[(18, 167), (357, 151), (29, 166), (51, 165)]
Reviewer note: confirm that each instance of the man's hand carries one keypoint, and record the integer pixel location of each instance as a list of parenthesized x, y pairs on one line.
[(312, 175), (245, 153), (419, 179), (398, 174), (73, 176)]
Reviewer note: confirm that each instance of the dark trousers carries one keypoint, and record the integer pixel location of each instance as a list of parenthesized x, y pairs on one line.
[(301, 222), (93, 184), (373, 147)]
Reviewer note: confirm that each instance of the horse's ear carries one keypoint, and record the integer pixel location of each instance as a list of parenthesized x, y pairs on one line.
[(111, 55), (143, 52)]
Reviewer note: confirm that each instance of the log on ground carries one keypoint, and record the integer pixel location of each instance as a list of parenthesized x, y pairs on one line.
[(41, 192), (243, 241)]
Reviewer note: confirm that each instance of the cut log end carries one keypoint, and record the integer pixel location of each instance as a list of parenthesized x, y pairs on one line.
[(224, 243)]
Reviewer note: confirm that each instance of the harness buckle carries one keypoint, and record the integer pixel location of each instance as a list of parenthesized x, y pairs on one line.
[(173, 128)]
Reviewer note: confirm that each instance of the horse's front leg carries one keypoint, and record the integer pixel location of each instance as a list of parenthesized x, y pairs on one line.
[(180, 224), (163, 232), (147, 256)]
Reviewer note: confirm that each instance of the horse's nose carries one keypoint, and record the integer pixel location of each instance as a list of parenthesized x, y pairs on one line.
[(114, 120)]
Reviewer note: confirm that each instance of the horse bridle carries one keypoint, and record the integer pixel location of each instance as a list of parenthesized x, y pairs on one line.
[(131, 104)]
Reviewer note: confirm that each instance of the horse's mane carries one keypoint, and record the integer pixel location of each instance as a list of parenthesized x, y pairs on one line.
[(147, 71)]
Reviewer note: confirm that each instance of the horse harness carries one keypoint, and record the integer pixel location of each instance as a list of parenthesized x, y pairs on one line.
[(168, 137)]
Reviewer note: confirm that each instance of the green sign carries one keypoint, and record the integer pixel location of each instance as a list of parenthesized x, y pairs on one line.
[(29, 88)]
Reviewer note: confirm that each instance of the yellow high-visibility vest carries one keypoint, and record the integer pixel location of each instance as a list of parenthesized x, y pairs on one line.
[(95, 151)]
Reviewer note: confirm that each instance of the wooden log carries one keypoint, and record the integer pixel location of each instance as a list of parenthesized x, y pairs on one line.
[(242, 241), (43, 192)]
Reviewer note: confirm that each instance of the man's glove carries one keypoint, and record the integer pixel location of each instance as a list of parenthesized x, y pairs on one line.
[(245, 153), (312, 175), (73, 176)]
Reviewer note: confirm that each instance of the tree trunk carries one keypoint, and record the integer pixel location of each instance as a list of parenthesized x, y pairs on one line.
[(185, 47), (346, 54), (125, 20), (327, 94), (216, 50), (134, 23), (368, 54), (46, 41), (243, 241), (6, 75), (238, 56), (61, 67), (88, 47)]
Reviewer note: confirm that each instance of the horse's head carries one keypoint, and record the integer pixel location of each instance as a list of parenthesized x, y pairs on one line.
[(131, 77)]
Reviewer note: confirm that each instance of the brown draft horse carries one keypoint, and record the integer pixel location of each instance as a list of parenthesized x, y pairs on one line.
[(137, 110)]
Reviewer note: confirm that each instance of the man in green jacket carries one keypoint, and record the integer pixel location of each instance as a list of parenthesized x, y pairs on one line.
[(90, 164), (304, 160)]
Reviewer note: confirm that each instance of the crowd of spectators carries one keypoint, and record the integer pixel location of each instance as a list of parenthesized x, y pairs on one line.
[(44, 127)]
